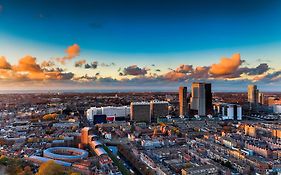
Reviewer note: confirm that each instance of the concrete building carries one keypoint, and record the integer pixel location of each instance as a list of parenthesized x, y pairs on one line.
[(140, 111), (183, 101), (84, 135), (259, 147), (201, 170), (109, 111), (68, 154), (277, 108), (253, 95), (271, 101), (158, 109), (261, 98), (276, 133), (250, 130), (228, 111), (201, 98)]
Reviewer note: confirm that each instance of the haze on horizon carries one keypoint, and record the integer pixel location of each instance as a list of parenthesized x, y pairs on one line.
[(139, 45)]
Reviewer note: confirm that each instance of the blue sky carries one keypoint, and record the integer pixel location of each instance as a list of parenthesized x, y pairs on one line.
[(143, 33)]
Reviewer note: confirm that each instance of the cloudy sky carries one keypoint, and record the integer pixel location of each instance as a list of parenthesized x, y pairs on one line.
[(140, 44)]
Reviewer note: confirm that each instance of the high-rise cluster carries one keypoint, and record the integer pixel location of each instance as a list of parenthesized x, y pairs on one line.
[(200, 100), (255, 97)]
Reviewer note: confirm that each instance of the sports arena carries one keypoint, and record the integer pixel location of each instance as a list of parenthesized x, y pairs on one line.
[(68, 154)]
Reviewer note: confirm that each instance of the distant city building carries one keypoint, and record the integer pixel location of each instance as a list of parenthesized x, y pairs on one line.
[(183, 101), (250, 130), (253, 95), (201, 98), (271, 101), (276, 133), (277, 108), (140, 112), (158, 109), (84, 135), (201, 170), (109, 111), (228, 111), (261, 98)]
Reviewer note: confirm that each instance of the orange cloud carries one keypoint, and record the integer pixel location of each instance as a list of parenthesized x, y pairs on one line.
[(28, 69), (72, 52), (80, 63), (226, 66), (4, 64), (27, 64), (48, 63), (183, 68), (175, 76), (200, 72)]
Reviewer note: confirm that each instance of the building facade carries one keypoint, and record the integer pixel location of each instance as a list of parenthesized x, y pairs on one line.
[(109, 111), (140, 112), (201, 98), (253, 95), (84, 135), (261, 98), (182, 101), (228, 111), (158, 109)]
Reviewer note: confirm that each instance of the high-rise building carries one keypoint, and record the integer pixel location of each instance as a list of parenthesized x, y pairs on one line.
[(158, 109), (183, 100), (261, 98), (140, 112), (84, 135), (201, 98), (253, 95)]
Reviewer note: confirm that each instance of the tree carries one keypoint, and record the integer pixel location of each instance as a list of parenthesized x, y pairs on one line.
[(75, 174), (26, 171), (50, 116), (50, 168)]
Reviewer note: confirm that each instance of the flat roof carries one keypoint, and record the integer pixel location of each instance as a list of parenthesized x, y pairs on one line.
[(45, 159)]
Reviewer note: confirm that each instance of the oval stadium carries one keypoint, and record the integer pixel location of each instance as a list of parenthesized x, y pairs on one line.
[(68, 154)]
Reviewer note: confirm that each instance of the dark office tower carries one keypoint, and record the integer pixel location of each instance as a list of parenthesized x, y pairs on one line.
[(140, 112), (261, 98), (158, 109), (253, 96), (183, 100), (201, 98)]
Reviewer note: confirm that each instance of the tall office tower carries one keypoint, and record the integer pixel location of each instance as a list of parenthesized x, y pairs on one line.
[(158, 109), (183, 100), (84, 135), (261, 98), (253, 95), (201, 98), (140, 112)]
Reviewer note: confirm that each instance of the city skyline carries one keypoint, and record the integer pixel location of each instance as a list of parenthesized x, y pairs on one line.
[(141, 45)]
